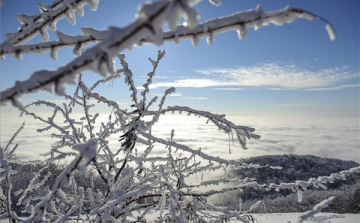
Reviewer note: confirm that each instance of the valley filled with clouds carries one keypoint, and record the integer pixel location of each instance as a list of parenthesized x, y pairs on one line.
[(325, 136)]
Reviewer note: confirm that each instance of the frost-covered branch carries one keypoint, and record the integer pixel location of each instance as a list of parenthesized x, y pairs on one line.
[(241, 132), (148, 25), (51, 124), (7, 169), (32, 185), (240, 22), (105, 80), (87, 153), (192, 151), (317, 209), (99, 58), (319, 182), (150, 77), (50, 15), (9, 154)]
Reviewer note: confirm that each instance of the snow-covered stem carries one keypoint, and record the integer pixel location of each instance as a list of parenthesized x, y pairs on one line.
[(148, 25), (192, 151), (129, 81), (317, 209), (32, 186), (105, 80), (159, 111), (75, 137), (7, 152), (87, 153), (7, 169), (242, 132), (50, 15), (86, 111), (99, 98), (319, 182), (150, 77), (239, 22), (228, 213)]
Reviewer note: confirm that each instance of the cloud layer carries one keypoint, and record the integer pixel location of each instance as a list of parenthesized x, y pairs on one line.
[(326, 136), (274, 76)]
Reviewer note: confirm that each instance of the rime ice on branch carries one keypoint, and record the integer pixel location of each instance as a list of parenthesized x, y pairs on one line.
[(133, 180), (146, 28), (133, 175)]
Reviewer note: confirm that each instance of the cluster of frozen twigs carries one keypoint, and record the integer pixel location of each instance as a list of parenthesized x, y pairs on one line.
[(134, 180), (129, 175)]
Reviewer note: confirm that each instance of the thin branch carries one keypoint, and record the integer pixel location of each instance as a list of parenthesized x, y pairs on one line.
[(99, 57), (50, 15), (240, 22)]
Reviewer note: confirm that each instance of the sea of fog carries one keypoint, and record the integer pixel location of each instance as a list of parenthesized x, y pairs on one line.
[(325, 136)]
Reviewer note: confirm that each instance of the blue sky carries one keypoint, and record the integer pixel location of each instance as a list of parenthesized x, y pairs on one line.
[(290, 69)]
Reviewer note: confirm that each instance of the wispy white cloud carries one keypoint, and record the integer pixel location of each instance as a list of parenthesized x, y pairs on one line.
[(162, 77), (175, 95), (334, 88), (299, 105), (279, 89), (195, 98), (228, 89), (200, 82), (171, 95), (275, 76)]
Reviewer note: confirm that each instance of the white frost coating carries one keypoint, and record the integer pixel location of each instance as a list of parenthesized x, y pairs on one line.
[(215, 2), (80, 9), (173, 15), (331, 31), (317, 209), (300, 196), (195, 40), (255, 205), (94, 33), (170, 90), (70, 14), (44, 34), (88, 150), (53, 53), (210, 38), (25, 19), (93, 4), (65, 38), (242, 31), (44, 8)]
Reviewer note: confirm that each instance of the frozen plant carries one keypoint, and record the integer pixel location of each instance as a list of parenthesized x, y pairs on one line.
[(134, 180), (130, 174)]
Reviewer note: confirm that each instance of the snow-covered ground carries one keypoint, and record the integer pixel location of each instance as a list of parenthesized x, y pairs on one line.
[(320, 218), (293, 217), (284, 218)]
